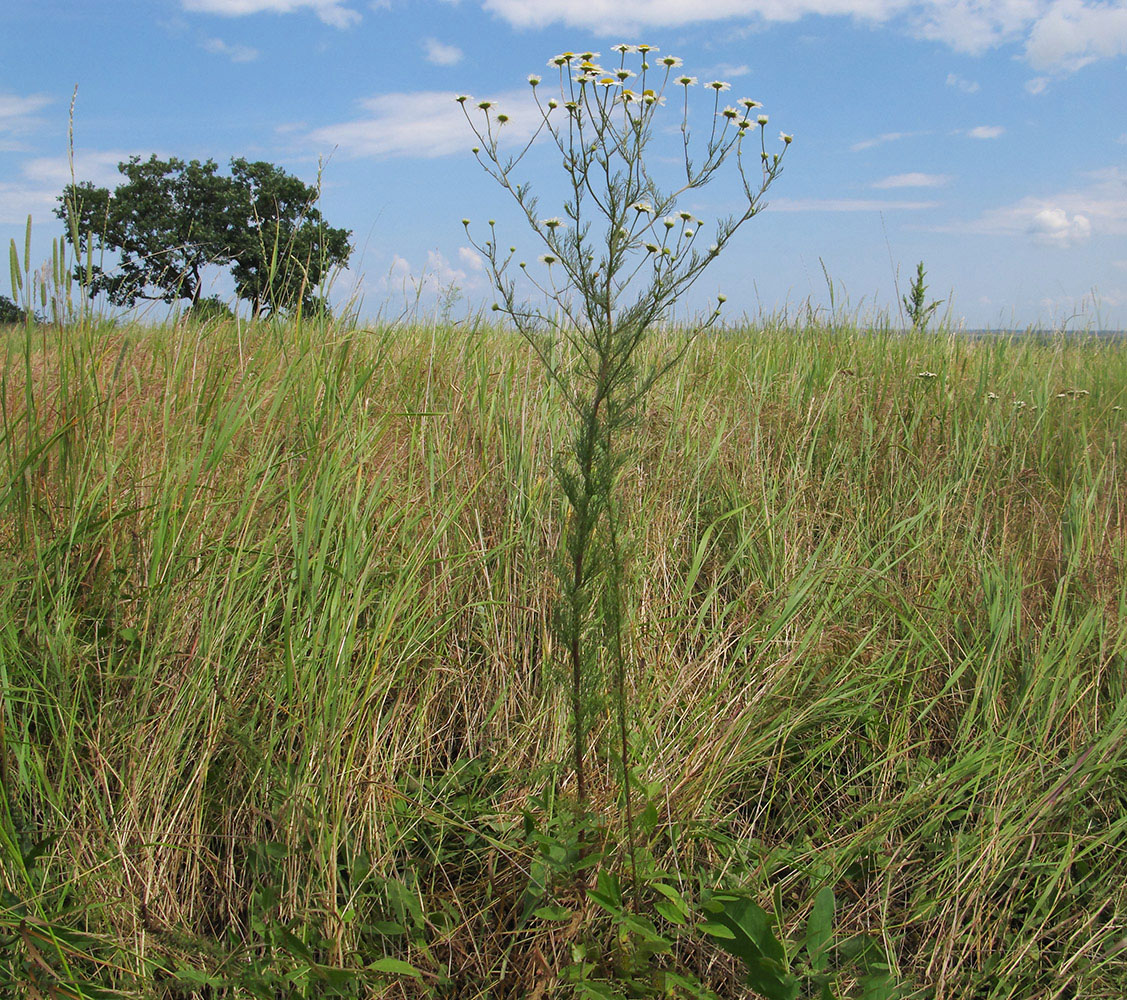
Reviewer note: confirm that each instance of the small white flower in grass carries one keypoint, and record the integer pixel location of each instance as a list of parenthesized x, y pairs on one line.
[(628, 95), (669, 223), (562, 59), (609, 81), (747, 102), (624, 74), (687, 81), (571, 105), (462, 98), (991, 395), (485, 105), (651, 247), (534, 79), (589, 56), (647, 48), (671, 62), (590, 67), (547, 258), (552, 223), (502, 118), (553, 103), (786, 138), (719, 85), (730, 113), (721, 298), (925, 374), (744, 125), (686, 216), (762, 119), (642, 207), (649, 97), (622, 48), (689, 233)]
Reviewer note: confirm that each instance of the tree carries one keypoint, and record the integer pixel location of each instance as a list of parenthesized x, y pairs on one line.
[(282, 249), (170, 219), (167, 222)]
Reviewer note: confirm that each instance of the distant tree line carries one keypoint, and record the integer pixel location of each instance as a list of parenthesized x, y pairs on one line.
[(152, 237)]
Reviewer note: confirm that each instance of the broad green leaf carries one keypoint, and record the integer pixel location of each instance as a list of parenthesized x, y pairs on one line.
[(395, 966), (819, 929), (553, 913)]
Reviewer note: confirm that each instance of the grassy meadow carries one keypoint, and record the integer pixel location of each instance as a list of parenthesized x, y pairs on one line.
[(282, 715)]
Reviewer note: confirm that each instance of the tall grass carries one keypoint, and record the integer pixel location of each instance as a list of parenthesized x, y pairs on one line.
[(280, 696)]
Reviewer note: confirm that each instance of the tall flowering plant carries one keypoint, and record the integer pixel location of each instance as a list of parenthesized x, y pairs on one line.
[(613, 263)]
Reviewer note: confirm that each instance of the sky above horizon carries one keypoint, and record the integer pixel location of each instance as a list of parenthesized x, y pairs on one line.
[(988, 140)]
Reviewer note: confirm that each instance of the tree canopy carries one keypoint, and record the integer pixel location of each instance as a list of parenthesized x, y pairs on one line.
[(152, 237)]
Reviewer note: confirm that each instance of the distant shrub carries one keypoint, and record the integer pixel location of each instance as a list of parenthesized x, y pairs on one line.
[(211, 310), (10, 312)]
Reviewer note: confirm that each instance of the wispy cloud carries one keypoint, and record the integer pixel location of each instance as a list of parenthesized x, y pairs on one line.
[(18, 114), (986, 131), (236, 53), (1059, 35), (334, 13), (958, 83), (726, 71), (848, 205), (422, 124), (440, 53), (1037, 85), (42, 179), (880, 140), (911, 180)]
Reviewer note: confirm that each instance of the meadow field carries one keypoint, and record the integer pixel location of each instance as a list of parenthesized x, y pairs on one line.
[(284, 714)]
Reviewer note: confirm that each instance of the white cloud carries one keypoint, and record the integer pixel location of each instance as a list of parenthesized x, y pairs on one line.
[(1061, 35), (847, 205), (17, 114), (442, 54), (236, 53), (426, 123), (880, 140), (1065, 219), (44, 177), (332, 12), (986, 131), (1037, 85), (726, 71), (1121, 264), (913, 180), (471, 259), (966, 86), (1073, 34), (436, 275), (1055, 227)]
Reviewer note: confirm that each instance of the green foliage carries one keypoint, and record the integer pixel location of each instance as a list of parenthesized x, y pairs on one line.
[(270, 587), (171, 219), (210, 310), (915, 302), (10, 312), (624, 256)]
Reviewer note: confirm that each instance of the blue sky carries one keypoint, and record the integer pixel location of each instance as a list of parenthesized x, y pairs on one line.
[(987, 139)]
